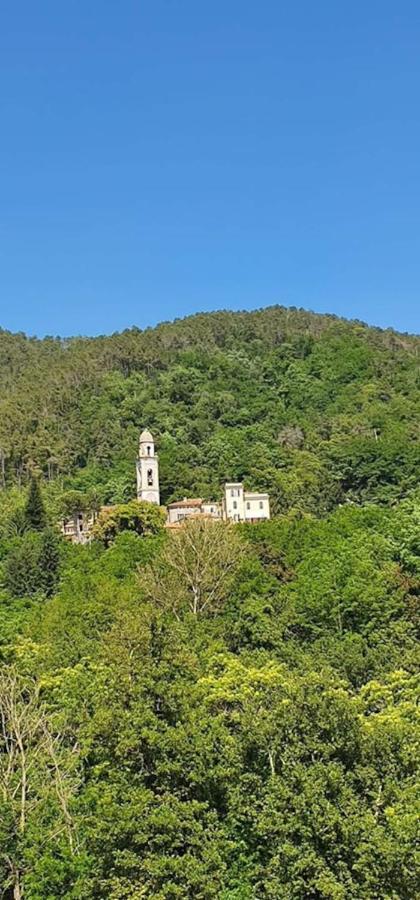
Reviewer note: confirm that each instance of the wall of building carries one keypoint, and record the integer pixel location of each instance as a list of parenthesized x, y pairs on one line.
[(181, 512), (257, 506), (148, 473), (212, 509), (233, 504)]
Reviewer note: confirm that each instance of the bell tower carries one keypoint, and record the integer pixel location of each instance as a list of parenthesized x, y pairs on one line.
[(147, 470)]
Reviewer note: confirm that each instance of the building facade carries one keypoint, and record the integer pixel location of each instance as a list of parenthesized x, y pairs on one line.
[(147, 470), (240, 505), (194, 506)]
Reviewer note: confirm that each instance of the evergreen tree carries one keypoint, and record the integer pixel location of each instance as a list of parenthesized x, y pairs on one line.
[(35, 510), (21, 569)]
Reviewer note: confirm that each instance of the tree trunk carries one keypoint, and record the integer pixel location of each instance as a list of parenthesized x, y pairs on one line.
[(17, 893)]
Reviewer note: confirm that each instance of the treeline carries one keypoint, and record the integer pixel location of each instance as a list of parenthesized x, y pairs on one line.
[(225, 712), (315, 409)]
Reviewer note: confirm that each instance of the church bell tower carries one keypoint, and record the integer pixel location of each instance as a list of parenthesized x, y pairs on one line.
[(147, 470)]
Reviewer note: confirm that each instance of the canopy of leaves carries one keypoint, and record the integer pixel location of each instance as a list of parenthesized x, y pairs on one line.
[(312, 408), (214, 712), (140, 517)]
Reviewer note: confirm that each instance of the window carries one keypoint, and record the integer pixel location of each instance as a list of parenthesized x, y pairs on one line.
[(261, 504), (150, 477), (234, 504), (148, 451), (232, 493), (248, 505)]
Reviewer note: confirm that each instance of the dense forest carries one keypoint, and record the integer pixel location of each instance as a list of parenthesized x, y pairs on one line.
[(220, 711)]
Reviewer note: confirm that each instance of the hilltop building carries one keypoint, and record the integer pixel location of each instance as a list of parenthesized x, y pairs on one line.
[(237, 504)]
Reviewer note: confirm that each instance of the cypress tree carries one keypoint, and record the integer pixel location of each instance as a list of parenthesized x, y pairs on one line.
[(34, 509)]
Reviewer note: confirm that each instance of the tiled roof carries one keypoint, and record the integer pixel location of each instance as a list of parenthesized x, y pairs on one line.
[(182, 504)]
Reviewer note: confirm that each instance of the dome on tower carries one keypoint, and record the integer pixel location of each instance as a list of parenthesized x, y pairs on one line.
[(145, 437)]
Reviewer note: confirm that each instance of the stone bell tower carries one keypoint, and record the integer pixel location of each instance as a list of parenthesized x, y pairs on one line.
[(147, 470)]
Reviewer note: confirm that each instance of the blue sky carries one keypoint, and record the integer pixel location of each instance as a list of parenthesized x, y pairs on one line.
[(165, 157)]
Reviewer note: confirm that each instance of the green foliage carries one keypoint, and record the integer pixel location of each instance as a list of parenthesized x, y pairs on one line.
[(34, 509), (22, 573), (212, 711), (261, 743), (32, 564), (139, 517), (49, 561), (312, 408)]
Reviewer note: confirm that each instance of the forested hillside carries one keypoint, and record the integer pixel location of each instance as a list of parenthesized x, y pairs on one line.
[(219, 712), (315, 409)]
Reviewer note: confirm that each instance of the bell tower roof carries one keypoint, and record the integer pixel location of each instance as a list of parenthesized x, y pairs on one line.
[(145, 437)]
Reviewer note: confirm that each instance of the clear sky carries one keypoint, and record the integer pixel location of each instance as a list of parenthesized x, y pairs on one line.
[(164, 157)]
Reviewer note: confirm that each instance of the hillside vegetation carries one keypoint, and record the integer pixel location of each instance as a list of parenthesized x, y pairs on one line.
[(315, 409), (221, 712)]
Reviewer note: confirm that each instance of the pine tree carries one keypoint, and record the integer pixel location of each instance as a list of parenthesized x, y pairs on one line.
[(35, 510)]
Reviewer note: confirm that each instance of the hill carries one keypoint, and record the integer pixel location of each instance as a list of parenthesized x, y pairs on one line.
[(313, 408), (220, 711)]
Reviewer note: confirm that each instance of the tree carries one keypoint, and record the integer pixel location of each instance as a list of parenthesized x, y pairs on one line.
[(49, 561), (37, 781), (17, 524), (21, 569), (33, 564), (72, 502), (291, 436), (35, 510), (143, 518), (196, 567)]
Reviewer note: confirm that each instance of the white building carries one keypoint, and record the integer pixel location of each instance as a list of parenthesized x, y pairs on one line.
[(193, 506), (244, 506), (237, 504), (147, 470)]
